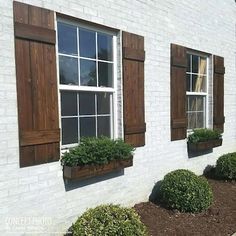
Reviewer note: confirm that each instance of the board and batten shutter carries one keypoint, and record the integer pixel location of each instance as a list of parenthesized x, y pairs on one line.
[(133, 89), (178, 92), (35, 58), (218, 93)]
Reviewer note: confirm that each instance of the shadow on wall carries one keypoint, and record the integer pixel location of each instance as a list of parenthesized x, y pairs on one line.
[(74, 184), (155, 194), (199, 153)]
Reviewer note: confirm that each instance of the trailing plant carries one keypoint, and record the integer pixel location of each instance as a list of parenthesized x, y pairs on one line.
[(185, 191), (201, 135), (96, 151), (226, 166), (109, 220)]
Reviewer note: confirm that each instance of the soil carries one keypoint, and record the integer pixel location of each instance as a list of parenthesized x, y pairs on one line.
[(218, 220)]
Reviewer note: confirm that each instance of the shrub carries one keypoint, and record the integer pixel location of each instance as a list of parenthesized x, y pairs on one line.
[(226, 166), (185, 191), (96, 151), (109, 220), (201, 135)]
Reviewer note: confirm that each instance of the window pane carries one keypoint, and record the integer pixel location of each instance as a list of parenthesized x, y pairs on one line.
[(188, 84), (68, 69), (87, 43), (200, 103), (194, 64), (87, 127), (67, 39), (198, 83), (202, 65), (87, 104), (191, 103), (200, 120), (104, 126), (189, 63), (69, 130), (103, 103), (88, 73), (105, 74), (68, 104), (196, 111), (105, 47), (196, 103), (191, 120)]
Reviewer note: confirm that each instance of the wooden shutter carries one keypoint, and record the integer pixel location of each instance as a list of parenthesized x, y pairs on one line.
[(35, 57), (133, 89), (178, 92), (218, 93)]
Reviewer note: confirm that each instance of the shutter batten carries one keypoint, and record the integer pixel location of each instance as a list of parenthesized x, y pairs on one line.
[(35, 54), (133, 89), (218, 93), (178, 92), (34, 33), (134, 54), (28, 138)]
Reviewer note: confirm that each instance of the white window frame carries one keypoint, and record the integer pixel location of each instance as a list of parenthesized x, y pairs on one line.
[(78, 88), (205, 94)]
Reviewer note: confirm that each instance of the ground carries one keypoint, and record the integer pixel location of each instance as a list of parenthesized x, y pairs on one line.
[(219, 219)]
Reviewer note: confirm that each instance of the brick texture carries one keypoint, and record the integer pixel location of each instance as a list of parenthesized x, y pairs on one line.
[(36, 199)]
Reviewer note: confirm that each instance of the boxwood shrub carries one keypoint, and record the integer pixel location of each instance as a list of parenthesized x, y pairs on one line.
[(226, 166), (96, 151), (109, 220), (201, 135), (185, 191)]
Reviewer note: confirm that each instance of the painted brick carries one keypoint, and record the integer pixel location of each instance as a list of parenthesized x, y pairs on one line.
[(203, 25)]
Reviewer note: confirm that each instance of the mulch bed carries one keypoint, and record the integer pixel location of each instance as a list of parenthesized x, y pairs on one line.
[(219, 219)]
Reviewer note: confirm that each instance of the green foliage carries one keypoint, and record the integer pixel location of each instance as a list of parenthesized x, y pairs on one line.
[(96, 151), (226, 166), (201, 135), (109, 220), (185, 191)]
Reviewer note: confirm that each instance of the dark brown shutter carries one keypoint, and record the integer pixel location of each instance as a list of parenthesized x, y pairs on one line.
[(218, 93), (133, 89), (35, 57), (178, 92)]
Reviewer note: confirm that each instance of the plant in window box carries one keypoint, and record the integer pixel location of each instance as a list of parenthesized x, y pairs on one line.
[(96, 156), (204, 139)]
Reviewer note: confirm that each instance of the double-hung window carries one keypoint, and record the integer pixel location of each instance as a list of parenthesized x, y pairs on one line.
[(196, 87), (87, 84)]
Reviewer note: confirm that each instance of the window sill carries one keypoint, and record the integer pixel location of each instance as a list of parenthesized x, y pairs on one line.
[(88, 171)]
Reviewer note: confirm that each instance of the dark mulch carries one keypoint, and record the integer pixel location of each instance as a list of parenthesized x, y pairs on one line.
[(219, 219)]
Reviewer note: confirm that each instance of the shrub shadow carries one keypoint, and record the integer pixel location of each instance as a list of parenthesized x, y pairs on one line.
[(73, 184), (210, 173), (69, 232), (155, 196)]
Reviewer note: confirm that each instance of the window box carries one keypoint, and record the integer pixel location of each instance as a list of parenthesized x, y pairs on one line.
[(95, 157), (88, 171), (203, 146), (204, 139)]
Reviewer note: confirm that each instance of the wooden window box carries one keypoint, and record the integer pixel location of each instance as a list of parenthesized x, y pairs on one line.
[(203, 146), (88, 171)]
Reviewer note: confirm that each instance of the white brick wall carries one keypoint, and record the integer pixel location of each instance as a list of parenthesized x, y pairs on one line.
[(39, 191)]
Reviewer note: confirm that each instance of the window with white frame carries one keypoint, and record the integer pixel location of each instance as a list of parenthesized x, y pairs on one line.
[(86, 81), (196, 87)]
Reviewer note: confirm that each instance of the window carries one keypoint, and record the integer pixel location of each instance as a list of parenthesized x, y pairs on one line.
[(196, 90), (87, 82)]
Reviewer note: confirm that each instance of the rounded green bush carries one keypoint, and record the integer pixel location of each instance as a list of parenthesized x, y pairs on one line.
[(109, 220), (185, 191), (226, 166)]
